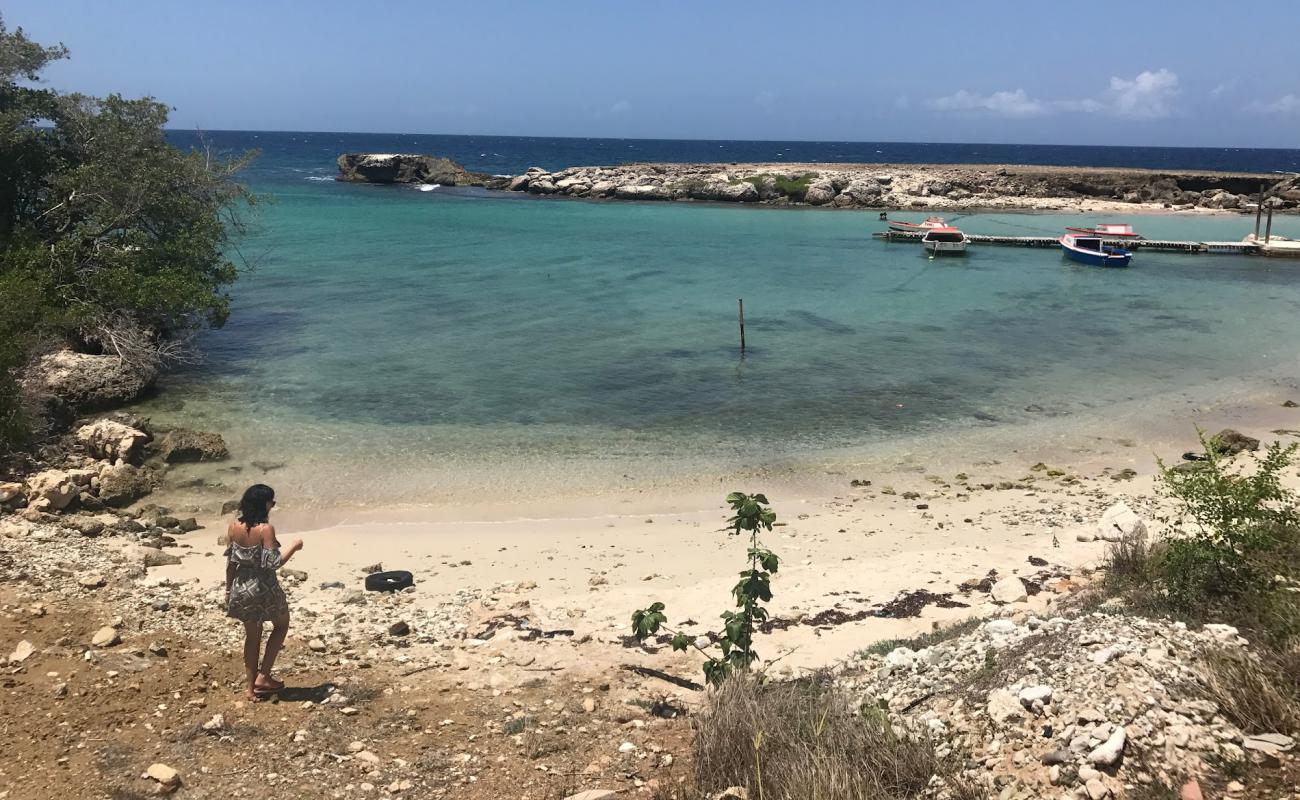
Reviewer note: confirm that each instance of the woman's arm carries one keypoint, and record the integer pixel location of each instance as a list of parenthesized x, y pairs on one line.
[(269, 542)]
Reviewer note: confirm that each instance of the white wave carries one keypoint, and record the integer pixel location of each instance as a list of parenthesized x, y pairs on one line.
[(429, 187), (318, 178)]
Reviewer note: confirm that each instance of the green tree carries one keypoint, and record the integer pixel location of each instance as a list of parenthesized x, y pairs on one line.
[(751, 514), (111, 239)]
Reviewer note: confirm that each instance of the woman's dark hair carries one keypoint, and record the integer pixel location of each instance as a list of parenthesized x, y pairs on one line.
[(255, 504)]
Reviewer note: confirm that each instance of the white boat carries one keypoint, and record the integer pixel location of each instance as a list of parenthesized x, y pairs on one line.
[(945, 241), (903, 226)]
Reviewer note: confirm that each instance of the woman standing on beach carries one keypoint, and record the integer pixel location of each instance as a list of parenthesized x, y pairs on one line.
[(253, 593)]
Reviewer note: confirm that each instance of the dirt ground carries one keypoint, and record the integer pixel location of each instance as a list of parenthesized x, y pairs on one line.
[(89, 726)]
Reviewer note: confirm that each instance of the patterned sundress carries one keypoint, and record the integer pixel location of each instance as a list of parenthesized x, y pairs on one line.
[(255, 593)]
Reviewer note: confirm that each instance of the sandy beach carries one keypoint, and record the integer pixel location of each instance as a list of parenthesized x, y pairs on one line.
[(929, 519)]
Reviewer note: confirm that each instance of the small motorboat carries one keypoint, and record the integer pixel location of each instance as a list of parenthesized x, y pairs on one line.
[(1091, 250), (916, 227), (1108, 230), (945, 241)]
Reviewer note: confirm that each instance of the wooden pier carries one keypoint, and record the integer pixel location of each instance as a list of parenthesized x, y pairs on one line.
[(1241, 248)]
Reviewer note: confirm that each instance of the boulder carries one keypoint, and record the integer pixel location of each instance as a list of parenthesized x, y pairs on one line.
[(22, 652), (106, 636), (819, 192), (1003, 706), (77, 382), (1228, 442), (86, 526), (1108, 753), (182, 446), (51, 490), (122, 484), (1120, 523), (110, 440), (11, 494), (410, 168), (643, 192), (158, 558), (166, 777), (1031, 695), (1009, 590), (742, 192)]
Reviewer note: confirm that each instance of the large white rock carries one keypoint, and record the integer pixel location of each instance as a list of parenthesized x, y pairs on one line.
[(819, 192), (111, 440), (164, 774), (1108, 752), (1035, 694), (1121, 522), (1003, 706), (1009, 590), (51, 490), (22, 652), (1000, 627), (901, 658), (10, 491), (106, 636)]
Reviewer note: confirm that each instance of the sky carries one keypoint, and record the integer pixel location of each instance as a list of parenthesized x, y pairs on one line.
[(1152, 72)]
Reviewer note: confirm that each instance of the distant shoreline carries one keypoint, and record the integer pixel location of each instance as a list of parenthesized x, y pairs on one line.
[(885, 187), (922, 187)]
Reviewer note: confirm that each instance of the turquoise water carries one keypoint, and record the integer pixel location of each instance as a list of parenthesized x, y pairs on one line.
[(395, 342)]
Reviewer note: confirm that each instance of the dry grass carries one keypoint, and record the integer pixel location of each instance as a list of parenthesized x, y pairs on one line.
[(805, 740), (1260, 694)]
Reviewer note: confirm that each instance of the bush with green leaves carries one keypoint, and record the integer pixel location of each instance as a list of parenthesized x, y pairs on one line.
[(751, 514), (1235, 528), (103, 223), (1233, 553)]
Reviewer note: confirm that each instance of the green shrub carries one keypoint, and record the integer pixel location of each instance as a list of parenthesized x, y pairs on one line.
[(1233, 552), (795, 188), (805, 739), (1235, 529)]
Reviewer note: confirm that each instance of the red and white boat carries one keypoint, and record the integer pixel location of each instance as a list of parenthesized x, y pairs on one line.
[(917, 227), (1108, 230)]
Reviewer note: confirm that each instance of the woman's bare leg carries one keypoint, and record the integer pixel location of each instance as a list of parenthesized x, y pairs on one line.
[(279, 629), (252, 646)]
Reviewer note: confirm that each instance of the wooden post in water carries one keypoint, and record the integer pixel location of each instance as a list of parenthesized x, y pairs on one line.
[(1259, 209), (742, 324), (1268, 226)]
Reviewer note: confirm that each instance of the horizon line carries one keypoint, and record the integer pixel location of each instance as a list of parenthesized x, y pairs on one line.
[(200, 130)]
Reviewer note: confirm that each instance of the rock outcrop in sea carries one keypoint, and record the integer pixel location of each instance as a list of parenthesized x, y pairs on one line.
[(913, 186), (411, 168)]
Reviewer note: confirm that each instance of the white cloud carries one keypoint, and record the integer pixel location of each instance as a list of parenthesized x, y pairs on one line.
[(1149, 95), (1004, 104), (1223, 87), (1286, 104)]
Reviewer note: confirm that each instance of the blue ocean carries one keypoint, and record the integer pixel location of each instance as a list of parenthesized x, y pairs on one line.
[(395, 345)]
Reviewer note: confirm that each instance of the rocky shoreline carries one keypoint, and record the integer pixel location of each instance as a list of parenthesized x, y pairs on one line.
[(862, 186)]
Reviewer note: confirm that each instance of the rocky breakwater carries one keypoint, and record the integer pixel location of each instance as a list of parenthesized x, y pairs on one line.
[(411, 168), (1091, 706), (954, 186)]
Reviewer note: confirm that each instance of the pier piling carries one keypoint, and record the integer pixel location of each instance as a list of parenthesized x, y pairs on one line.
[(742, 324)]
